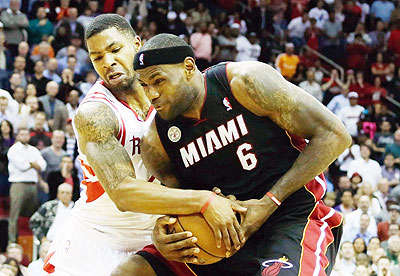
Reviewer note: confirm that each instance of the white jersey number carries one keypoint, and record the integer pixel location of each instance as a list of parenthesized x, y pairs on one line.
[(247, 159)]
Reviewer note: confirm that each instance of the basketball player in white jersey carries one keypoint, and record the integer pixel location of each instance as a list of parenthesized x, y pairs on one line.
[(116, 212)]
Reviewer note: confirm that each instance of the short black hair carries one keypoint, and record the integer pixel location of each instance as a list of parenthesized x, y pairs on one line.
[(107, 21), (163, 41)]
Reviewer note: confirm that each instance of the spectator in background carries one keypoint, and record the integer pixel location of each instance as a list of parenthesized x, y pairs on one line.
[(339, 101), (86, 17), (16, 252), (71, 50), (70, 145), (379, 68), (357, 53), (56, 111), (67, 84), (7, 139), (345, 262), (23, 51), (27, 118), (5, 112), (261, 17), (63, 10), (286, 63), (297, 28), (247, 48), (42, 52), (390, 172), (378, 92), (65, 173), (202, 46), (361, 231), (313, 34), (72, 102), (15, 81), (382, 194), (319, 14), (382, 9), (393, 248), (62, 37), (383, 137), (35, 268), (54, 153), (90, 80), (352, 220), (51, 71), (25, 164), (360, 30), (363, 89), (40, 137), (51, 215), (80, 53), (332, 30), (76, 68), (19, 67), (352, 15), (378, 36), (395, 147), (369, 169), (14, 22), (350, 115), (383, 227), (40, 28), (333, 86), (76, 27), (349, 154), (347, 203), (311, 86), (38, 79), (227, 46)]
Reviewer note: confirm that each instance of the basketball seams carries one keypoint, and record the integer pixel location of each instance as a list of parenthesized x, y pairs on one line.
[(201, 248)]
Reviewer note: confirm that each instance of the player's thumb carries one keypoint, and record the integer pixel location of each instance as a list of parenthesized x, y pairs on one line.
[(166, 220), (237, 208)]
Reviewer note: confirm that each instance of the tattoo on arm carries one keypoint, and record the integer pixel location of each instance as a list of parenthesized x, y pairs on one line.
[(97, 127)]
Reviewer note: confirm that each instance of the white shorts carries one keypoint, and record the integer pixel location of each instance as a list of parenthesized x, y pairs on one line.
[(75, 251)]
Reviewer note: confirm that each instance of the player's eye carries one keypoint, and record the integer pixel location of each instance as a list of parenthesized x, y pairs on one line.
[(143, 84), (97, 58), (116, 50), (158, 81)]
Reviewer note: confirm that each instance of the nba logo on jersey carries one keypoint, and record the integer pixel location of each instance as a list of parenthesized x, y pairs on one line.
[(141, 59), (227, 104)]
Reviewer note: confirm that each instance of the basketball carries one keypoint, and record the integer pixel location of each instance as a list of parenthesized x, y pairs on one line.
[(196, 224)]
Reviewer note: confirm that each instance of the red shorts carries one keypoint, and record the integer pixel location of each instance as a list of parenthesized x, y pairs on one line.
[(154, 257)]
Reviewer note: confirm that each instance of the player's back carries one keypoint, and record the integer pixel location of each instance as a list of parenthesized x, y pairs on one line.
[(95, 209)]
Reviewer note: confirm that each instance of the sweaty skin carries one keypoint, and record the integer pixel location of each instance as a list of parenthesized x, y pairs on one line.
[(264, 92)]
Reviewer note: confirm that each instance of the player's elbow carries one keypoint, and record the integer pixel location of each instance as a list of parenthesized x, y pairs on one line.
[(116, 196), (343, 138)]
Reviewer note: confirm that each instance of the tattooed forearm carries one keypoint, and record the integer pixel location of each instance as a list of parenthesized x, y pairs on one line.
[(97, 127)]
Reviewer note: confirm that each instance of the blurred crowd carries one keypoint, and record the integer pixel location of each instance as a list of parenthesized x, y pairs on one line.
[(346, 53)]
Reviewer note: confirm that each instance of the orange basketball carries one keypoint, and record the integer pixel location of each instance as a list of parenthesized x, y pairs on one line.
[(196, 224)]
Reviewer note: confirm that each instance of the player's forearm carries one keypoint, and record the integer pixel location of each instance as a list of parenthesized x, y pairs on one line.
[(140, 196), (322, 150)]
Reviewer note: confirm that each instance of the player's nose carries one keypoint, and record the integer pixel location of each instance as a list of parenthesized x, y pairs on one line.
[(109, 61), (152, 94)]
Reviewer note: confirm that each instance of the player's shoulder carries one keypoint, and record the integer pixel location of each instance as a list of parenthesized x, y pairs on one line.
[(251, 72)]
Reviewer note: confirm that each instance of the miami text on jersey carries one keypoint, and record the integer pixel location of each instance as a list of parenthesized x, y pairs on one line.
[(213, 140)]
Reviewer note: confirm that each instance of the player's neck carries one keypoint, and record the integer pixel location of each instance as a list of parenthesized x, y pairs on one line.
[(195, 110), (136, 99)]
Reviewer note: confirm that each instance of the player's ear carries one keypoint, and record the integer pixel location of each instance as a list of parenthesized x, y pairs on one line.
[(137, 42), (189, 67)]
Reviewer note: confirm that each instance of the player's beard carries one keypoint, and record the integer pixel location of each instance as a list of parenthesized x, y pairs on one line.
[(185, 96), (126, 85)]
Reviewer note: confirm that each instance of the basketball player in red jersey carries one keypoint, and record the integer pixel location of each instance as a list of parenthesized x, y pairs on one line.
[(115, 215)]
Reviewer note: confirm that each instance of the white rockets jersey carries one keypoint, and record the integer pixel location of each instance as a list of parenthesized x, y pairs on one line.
[(122, 230)]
